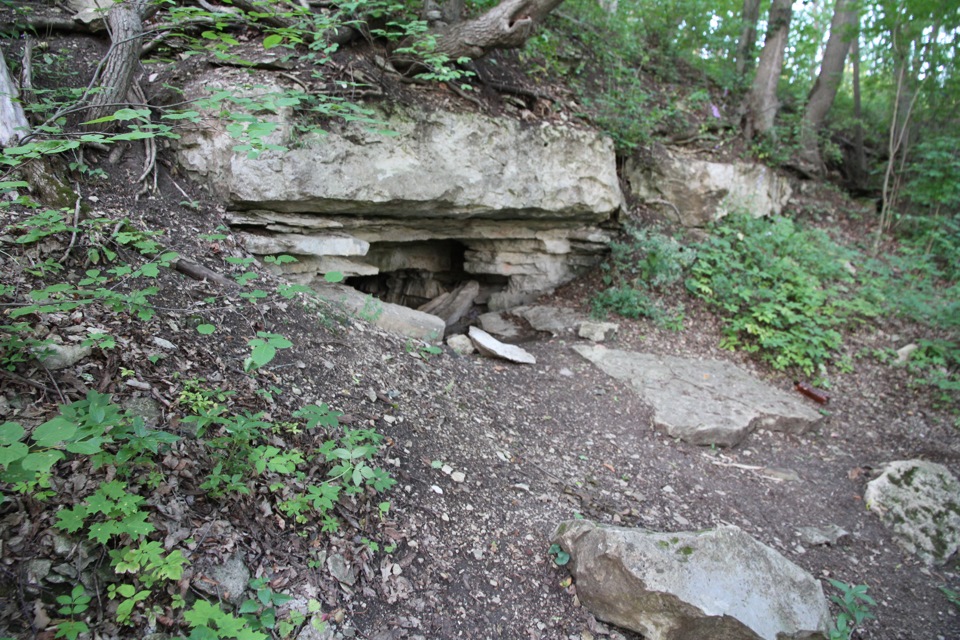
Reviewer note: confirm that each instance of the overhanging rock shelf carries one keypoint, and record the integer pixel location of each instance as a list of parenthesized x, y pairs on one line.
[(445, 198)]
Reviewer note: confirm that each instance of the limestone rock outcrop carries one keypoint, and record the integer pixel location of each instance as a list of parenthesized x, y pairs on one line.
[(417, 201), (720, 583), (693, 191)]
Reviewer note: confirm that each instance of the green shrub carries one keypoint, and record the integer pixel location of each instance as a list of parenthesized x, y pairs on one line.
[(782, 291), (638, 272)]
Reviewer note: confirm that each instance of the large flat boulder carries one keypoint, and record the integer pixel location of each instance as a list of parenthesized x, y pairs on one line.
[(694, 191), (718, 584), (706, 402), (920, 501), (420, 164)]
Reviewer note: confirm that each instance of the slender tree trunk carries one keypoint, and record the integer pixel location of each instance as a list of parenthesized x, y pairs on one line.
[(507, 26), (748, 36), (899, 126), (125, 22), (13, 121), (842, 28), (762, 104), (858, 172)]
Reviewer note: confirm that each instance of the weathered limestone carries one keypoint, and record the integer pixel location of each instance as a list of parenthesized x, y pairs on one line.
[(512, 205), (493, 348), (453, 305), (706, 402), (435, 164), (694, 192), (920, 502), (719, 584), (55, 355), (389, 317)]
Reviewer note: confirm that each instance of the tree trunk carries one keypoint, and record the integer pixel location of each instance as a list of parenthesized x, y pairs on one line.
[(842, 28), (507, 26), (13, 121), (761, 103), (858, 172), (125, 22), (748, 36)]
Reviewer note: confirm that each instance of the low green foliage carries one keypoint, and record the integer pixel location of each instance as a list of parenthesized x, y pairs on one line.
[(638, 272), (854, 604), (263, 349), (116, 517), (73, 604), (919, 281), (783, 292), (952, 596), (560, 557)]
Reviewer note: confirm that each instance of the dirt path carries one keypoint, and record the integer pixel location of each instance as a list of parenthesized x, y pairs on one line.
[(540, 444)]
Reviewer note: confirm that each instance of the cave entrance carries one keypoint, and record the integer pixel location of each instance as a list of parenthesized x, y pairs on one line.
[(414, 273)]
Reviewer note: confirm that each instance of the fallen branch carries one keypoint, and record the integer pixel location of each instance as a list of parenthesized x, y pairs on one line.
[(199, 272)]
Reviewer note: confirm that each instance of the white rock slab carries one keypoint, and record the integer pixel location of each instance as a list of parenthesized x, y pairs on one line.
[(706, 402), (491, 347)]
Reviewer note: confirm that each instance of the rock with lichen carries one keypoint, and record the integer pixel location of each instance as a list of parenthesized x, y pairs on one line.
[(920, 502)]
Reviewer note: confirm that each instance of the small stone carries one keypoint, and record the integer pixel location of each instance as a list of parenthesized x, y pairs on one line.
[(166, 345), (597, 331), (904, 353), (37, 570), (446, 469), (340, 569), (491, 347), (920, 502), (458, 476), (230, 579), (146, 408), (785, 475), (60, 356), (461, 344), (829, 534), (137, 384), (566, 373)]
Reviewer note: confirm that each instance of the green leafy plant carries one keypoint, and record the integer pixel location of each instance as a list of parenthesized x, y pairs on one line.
[(638, 274), (560, 557), (209, 622), (261, 613), (854, 604), (73, 604), (783, 292), (85, 427), (263, 349), (952, 596)]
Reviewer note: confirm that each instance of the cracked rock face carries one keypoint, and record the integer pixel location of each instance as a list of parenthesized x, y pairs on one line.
[(521, 202), (706, 402), (719, 584), (694, 192), (920, 502)]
